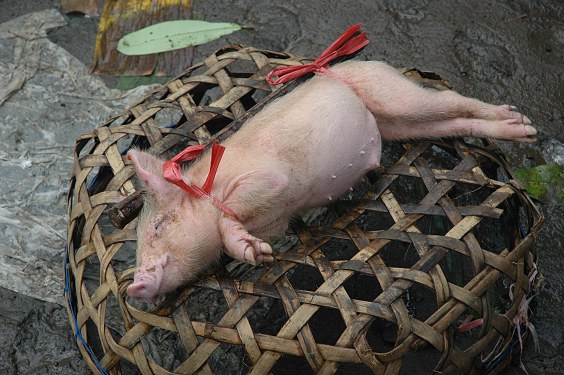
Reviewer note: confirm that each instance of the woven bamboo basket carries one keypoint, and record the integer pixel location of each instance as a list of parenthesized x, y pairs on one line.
[(427, 265)]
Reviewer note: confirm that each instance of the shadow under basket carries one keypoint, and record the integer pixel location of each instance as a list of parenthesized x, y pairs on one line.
[(428, 265)]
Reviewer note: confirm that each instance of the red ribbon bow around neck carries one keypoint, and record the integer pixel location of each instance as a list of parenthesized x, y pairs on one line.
[(346, 44), (171, 172)]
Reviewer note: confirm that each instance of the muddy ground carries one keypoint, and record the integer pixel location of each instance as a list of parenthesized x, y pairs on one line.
[(498, 51)]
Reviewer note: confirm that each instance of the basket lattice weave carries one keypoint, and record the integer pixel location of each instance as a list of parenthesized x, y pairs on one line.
[(385, 282)]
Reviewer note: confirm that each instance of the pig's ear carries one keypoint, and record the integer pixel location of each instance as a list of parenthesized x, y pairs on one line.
[(150, 170)]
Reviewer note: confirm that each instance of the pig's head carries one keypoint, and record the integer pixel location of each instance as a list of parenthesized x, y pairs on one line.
[(177, 235)]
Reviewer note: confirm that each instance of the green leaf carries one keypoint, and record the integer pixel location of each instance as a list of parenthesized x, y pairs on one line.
[(543, 181), (171, 35)]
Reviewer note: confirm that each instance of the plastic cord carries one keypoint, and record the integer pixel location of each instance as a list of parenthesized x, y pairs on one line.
[(77, 332)]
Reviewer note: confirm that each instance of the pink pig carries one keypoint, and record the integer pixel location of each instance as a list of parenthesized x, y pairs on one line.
[(303, 150)]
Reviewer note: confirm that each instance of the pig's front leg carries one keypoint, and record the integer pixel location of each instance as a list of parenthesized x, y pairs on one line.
[(256, 197), (241, 245)]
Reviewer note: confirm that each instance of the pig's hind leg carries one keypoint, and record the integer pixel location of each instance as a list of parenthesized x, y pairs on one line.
[(511, 129), (405, 110), (432, 114)]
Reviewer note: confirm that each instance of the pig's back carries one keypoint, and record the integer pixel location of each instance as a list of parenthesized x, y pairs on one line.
[(322, 133)]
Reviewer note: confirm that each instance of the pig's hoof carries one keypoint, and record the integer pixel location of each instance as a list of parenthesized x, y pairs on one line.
[(251, 250), (265, 253), (521, 130), (257, 251), (509, 112), (243, 246)]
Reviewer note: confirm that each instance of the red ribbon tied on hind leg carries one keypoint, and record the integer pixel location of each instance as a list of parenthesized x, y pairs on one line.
[(172, 173), (346, 44)]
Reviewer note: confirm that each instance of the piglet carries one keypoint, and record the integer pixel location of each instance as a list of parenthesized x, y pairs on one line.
[(303, 150)]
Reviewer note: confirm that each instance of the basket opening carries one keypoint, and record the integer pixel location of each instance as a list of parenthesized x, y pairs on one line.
[(399, 254), (422, 361), (408, 190), (327, 325), (206, 305), (353, 368), (169, 116), (457, 268), (242, 68), (164, 347), (496, 235), (362, 287), (289, 364), (305, 277), (441, 156), (339, 249)]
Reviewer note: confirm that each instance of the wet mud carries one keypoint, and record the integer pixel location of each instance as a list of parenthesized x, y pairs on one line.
[(498, 51)]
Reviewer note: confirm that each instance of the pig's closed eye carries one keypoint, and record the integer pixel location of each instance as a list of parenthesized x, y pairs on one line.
[(160, 224)]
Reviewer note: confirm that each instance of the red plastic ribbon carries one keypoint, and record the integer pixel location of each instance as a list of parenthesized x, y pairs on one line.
[(171, 172), (346, 44), (469, 324)]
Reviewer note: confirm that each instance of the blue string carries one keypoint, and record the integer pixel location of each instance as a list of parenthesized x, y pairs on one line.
[(493, 364), (77, 332), (522, 229)]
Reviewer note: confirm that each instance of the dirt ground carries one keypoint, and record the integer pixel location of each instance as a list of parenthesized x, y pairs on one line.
[(498, 51)]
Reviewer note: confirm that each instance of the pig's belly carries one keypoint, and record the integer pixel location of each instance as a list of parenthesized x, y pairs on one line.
[(341, 160)]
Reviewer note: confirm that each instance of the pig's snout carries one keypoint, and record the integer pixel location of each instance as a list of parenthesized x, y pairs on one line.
[(148, 281), (144, 288)]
